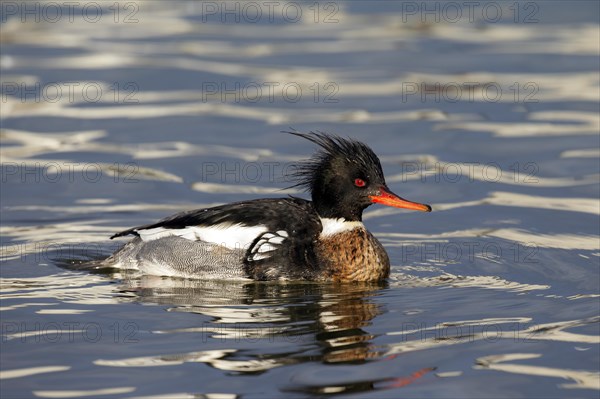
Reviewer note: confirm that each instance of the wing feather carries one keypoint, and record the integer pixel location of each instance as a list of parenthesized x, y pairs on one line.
[(278, 234)]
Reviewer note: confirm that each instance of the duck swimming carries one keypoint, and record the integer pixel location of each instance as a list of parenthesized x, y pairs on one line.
[(278, 238)]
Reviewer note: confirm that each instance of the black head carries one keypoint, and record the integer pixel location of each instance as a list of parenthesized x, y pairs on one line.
[(344, 177)]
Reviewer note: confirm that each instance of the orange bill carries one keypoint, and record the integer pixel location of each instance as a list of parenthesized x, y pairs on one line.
[(388, 198)]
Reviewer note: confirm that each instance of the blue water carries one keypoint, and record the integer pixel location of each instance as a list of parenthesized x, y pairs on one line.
[(171, 106)]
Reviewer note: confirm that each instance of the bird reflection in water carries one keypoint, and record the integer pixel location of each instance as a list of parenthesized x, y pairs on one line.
[(326, 318)]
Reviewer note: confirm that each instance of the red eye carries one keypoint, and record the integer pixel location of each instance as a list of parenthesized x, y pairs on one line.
[(359, 182)]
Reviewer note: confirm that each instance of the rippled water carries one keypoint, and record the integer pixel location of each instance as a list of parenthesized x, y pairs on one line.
[(116, 119)]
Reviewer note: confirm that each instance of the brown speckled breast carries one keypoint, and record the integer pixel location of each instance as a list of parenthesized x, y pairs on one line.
[(354, 255)]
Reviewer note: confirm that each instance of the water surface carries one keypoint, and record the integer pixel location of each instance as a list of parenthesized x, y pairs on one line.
[(166, 107)]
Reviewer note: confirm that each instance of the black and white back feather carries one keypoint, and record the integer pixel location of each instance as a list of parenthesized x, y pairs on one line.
[(281, 232)]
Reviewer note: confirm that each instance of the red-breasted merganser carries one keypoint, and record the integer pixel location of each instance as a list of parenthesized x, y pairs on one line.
[(279, 238)]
